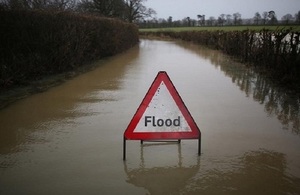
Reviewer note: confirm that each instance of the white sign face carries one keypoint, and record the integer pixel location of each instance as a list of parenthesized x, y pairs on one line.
[(162, 114)]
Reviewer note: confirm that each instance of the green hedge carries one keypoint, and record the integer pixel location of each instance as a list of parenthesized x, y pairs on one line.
[(276, 52), (37, 43)]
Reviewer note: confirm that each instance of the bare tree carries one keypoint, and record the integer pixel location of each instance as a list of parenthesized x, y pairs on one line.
[(188, 21), (16, 4), (85, 6), (221, 19), (39, 4), (287, 18), (265, 17), (297, 17), (135, 10), (211, 21), (228, 19), (61, 4), (257, 18), (108, 8), (170, 20), (237, 18)]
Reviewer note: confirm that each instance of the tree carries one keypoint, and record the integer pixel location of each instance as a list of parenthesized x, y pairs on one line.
[(162, 22), (16, 4), (287, 18), (188, 21), (297, 17), (108, 8), (221, 19), (201, 20), (228, 19), (237, 18), (84, 6), (135, 10), (170, 20), (39, 4), (257, 18), (211, 21), (61, 4), (265, 17), (272, 17)]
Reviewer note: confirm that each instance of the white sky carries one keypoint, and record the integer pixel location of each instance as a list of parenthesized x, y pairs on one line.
[(180, 9)]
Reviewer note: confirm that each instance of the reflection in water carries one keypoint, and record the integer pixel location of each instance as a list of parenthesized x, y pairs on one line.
[(58, 107), (260, 172), (162, 180), (285, 106), (255, 172), (276, 101), (68, 140)]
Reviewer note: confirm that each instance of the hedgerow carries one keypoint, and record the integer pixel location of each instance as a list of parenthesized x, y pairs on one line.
[(34, 44), (276, 52)]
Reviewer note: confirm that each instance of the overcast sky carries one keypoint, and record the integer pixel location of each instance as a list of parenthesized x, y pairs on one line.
[(180, 9)]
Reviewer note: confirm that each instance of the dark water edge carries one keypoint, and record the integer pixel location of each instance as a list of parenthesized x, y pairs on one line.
[(10, 95), (288, 85)]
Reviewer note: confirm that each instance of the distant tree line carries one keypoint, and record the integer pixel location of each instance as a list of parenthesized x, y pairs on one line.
[(266, 18), (127, 10)]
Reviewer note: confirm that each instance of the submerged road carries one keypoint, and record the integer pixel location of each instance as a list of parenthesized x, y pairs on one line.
[(68, 140)]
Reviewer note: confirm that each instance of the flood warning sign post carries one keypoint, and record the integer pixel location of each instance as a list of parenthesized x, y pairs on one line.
[(162, 116)]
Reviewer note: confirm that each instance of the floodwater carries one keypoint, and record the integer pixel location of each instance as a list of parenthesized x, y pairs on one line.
[(69, 139)]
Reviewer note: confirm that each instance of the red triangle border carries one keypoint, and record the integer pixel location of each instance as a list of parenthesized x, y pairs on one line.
[(129, 133)]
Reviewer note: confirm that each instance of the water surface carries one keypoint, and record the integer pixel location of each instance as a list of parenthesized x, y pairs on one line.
[(68, 140)]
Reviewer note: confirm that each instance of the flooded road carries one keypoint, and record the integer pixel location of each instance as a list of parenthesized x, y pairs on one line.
[(68, 140)]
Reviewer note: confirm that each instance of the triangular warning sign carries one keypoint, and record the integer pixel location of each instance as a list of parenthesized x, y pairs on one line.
[(162, 114)]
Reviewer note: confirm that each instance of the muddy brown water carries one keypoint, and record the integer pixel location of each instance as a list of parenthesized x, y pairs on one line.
[(68, 140)]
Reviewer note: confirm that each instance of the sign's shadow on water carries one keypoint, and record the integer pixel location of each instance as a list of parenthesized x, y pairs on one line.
[(168, 179)]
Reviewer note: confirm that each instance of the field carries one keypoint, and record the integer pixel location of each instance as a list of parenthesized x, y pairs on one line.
[(223, 28)]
